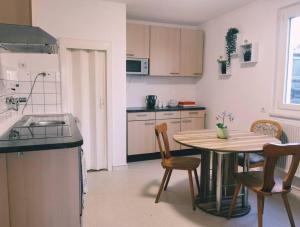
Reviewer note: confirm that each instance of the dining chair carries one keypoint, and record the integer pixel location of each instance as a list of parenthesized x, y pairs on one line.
[(264, 127), (170, 163), (265, 183)]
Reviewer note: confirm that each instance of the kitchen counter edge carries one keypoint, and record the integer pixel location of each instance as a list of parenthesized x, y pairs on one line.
[(145, 109)]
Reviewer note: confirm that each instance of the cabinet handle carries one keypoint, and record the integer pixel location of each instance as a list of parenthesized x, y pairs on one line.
[(197, 74), (174, 73), (186, 121), (168, 114), (130, 55), (175, 122), (141, 115), (149, 123), (193, 113)]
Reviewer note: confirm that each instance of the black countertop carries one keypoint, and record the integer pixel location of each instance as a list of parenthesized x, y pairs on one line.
[(25, 136), (145, 109)]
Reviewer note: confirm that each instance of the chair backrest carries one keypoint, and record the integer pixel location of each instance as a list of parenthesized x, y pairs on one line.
[(272, 153), (164, 148), (267, 127)]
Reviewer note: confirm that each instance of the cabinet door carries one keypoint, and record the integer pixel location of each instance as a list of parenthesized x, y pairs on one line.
[(188, 124), (44, 188), (15, 12), (4, 208), (138, 40), (141, 137), (191, 52), (173, 128), (164, 51)]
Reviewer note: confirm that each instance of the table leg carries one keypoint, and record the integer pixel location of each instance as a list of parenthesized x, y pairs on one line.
[(246, 169), (219, 183), (205, 176)]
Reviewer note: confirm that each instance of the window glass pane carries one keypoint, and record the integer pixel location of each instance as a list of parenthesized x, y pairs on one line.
[(292, 91)]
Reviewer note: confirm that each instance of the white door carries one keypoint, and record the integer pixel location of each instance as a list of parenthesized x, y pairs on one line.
[(88, 71)]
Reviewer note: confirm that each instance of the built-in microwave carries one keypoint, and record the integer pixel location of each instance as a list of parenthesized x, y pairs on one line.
[(137, 66)]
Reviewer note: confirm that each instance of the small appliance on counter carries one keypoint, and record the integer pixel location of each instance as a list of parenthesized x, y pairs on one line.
[(187, 103), (172, 103), (151, 101)]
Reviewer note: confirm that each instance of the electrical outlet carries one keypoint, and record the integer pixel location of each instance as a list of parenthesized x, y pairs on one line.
[(22, 65), (263, 110)]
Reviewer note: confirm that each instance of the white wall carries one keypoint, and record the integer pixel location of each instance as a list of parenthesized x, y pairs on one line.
[(250, 89), (165, 88), (100, 21)]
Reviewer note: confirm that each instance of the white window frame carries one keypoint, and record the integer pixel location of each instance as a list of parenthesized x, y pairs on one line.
[(280, 108)]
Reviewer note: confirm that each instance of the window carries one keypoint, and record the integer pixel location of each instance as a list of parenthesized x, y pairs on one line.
[(287, 88)]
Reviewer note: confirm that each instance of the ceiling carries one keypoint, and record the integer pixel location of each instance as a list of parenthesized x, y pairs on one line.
[(185, 12)]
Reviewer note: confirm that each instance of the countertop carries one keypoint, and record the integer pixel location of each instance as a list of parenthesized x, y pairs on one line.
[(145, 109), (22, 136)]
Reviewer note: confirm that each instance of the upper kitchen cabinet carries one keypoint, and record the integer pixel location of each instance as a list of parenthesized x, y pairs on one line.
[(164, 51), (191, 52), (15, 12), (138, 40)]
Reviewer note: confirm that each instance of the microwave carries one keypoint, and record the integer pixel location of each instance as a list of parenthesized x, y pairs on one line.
[(137, 66)]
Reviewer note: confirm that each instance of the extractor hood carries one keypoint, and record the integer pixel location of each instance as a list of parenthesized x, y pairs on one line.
[(26, 39)]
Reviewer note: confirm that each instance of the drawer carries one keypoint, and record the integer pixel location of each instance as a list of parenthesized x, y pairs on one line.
[(141, 116), (167, 115), (192, 113)]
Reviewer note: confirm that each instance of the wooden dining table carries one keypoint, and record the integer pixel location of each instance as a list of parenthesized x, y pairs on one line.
[(219, 162)]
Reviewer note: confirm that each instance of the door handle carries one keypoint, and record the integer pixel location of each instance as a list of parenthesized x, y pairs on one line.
[(101, 103)]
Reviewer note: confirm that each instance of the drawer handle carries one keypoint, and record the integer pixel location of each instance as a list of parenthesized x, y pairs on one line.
[(187, 121), (141, 115), (168, 114), (174, 73), (194, 113), (175, 122), (130, 55), (197, 74), (149, 123)]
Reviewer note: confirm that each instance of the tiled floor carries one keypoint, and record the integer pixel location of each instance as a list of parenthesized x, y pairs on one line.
[(125, 198)]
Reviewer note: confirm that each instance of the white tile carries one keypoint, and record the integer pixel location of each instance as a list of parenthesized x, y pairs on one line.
[(38, 87), (50, 98), (51, 109), (57, 76), (24, 87), (51, 77), (38, 109), (50, 87), (58, 99), (24, 75), (38, 99), (27, 110)]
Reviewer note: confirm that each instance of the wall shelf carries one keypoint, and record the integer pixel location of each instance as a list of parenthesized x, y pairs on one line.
[(248, 54)]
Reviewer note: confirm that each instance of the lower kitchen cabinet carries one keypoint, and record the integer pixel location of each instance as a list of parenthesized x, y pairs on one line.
[(173, 128), (141, 137), (4, 207), (43, 188)]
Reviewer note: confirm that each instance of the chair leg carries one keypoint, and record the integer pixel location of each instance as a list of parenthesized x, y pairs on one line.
[(168, 179), (288, 209), (263, 204), (192, 189), (233, 203), (260, 209), (161, 185), (197, 180)]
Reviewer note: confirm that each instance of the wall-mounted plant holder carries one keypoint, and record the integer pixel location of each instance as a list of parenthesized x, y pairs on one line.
[(223, 69), (248, 53)]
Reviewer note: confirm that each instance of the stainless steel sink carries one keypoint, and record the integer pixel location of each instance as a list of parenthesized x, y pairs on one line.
[(47, 123)]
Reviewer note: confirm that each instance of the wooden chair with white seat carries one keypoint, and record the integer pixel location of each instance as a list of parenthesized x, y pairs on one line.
[(264, 127), (170, 163), (264, 183)]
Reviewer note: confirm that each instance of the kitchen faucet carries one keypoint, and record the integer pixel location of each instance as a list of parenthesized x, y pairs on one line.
[(30, 93)]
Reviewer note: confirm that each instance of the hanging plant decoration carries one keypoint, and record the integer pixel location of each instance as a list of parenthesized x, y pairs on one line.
[(231, 38)]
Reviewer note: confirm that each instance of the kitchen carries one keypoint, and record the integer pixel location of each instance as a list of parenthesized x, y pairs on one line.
[(182, 46)]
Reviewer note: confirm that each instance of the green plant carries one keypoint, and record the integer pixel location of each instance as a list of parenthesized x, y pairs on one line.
[(231, 37), (221, 117)]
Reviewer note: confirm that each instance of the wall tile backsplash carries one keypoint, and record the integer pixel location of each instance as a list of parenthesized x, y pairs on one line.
[(17, 74)]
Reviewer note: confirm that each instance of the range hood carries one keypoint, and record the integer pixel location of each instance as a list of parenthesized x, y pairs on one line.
[(26, 39)]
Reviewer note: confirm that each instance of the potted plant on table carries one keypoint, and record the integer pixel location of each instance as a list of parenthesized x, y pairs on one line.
[(222, 130)]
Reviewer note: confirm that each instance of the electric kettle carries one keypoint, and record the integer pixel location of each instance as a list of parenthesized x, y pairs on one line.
[(151, 101)]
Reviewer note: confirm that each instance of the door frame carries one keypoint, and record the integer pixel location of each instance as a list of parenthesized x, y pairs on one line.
[(66, 79)]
